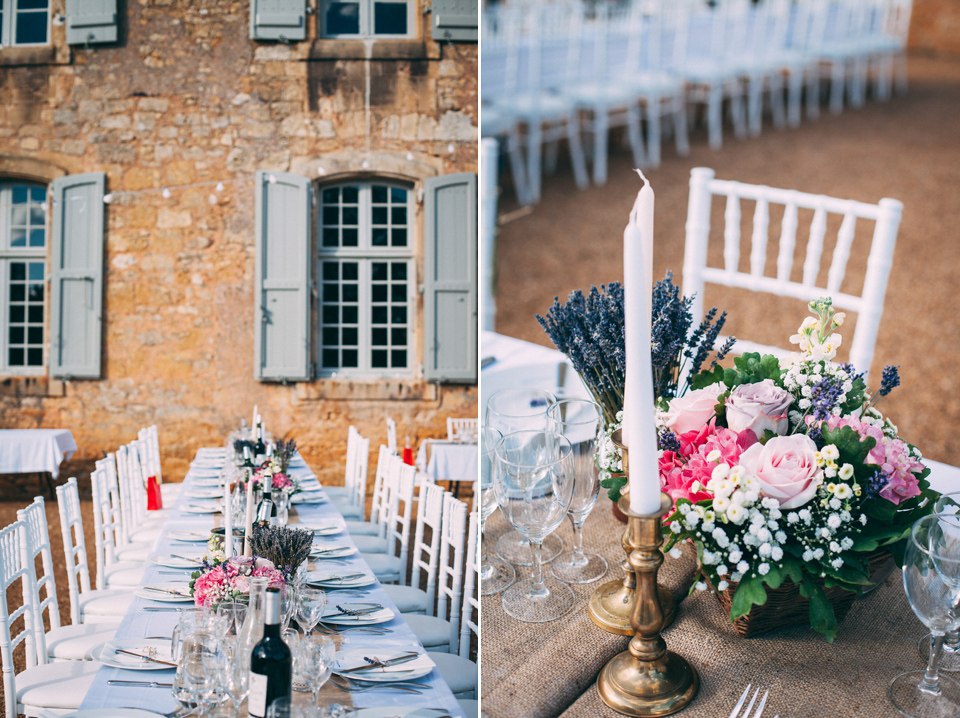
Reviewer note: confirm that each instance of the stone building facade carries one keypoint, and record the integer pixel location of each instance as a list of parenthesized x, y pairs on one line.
[(193, 127)]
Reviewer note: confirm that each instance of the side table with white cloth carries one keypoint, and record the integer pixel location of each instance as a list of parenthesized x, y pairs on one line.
[(36, 451), (451, 461)]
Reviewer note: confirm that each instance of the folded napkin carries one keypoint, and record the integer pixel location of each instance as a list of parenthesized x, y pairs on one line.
[(356, 659), (155, 649)]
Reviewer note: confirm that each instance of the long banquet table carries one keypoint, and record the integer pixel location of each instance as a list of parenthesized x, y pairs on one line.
[(139, 623)]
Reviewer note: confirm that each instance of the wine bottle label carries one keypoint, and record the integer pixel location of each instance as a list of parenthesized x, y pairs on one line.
[(257, 702)]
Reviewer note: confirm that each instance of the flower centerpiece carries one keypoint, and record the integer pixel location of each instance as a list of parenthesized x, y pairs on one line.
[(281, 481), (788, 474), (221, 579)]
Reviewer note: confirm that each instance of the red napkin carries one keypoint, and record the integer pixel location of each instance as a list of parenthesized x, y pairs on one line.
[(154, 499), (408, 456)]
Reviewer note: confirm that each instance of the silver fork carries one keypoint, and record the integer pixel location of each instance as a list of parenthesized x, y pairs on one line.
[(735, 713), (345, 684)]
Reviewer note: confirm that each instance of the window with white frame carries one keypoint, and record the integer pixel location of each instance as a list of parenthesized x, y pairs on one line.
[(23, 252), (366, 18), (365, 275), (24, 22)]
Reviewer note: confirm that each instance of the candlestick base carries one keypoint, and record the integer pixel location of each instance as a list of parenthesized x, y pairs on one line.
[(610, 605), (647, 679)]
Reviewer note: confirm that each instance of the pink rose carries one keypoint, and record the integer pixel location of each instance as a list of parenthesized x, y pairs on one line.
[(786, 468), (692, 410), (758, 407)]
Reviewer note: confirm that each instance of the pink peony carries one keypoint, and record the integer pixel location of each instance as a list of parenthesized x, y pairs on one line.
[(786, 468)]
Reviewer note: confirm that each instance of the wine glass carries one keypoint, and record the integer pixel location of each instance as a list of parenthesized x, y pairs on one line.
[(931, 578), (534, 481), (235, 674), (310, 608), (581, 421), (235, 612), (511, 410), (317, 653), (201, 673), (950, 660), (288, 605), (495, 574)]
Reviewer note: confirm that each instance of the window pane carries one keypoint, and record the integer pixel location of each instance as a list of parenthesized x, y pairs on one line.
[(34, 357), (331, 336), (18, 292), (399, 238), (15, 357), (38, 194), (389, 18), (16, 335), (36, 271), (351, 194), (35, 335), (349, 358), (398, 315), (378, 193), (38, 237), (18, 270), (330, 358), (378, 337), (398, 336), (17, 312), (331, 292), (31, 28), (378, 315), (378, 292), (18, 238), (351, 314), (351, 216), (32, 4), (398, 194), (350, 270), (350, 237), (331, 314), (350, 336), (378, 271), (399, 358), (350, 293), (35, 313), (378, 215), (330, 271), (331, 215), (18, 215), (398, 292), (330, 237), (398, 270), (36, 293), (19, 194), (378, 237), (343, 18), (378, 359), (398, 215), (331, 195)]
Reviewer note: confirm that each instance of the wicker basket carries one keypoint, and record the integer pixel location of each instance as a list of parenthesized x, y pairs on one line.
[(786, 607)]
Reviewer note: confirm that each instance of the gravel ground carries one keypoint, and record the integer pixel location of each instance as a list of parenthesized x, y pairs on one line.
[(907, 149)]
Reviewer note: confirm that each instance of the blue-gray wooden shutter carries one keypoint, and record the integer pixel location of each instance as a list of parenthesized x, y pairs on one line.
[(91, 21), (282, 296), (278, 20), (455, 20), (450, 278), (76, 282)]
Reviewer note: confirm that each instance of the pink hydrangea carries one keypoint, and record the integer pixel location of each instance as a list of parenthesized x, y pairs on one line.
[(209, 587), (684, 474), (282, 481)]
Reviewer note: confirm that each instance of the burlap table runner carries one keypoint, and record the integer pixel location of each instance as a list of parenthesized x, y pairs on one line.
[(550, 669)]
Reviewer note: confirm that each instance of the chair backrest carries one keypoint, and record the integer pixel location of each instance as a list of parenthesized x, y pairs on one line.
[(130, 491), (868, 305), (462, 429), (391, 435), (37, 543), (14, 567), (150, 439), (355, 470), (450, 581), (399, 521), (471, 582), (104, 525), (74, 545), (426, 552), (117, 518), (378, 506)]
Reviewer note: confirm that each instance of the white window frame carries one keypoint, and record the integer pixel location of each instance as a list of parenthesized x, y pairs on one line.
[(365, 254), (8, 254), (11, 15), (366, 22)]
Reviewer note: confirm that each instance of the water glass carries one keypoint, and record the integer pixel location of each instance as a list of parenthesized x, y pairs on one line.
[(534, 481), (235, 612), (310, 608), (931, 579), (317, 654), (511, 410), (495, 574), (950, 660), (581, 421)]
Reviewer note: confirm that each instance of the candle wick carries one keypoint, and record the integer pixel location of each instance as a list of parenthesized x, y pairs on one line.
[(642, 176)]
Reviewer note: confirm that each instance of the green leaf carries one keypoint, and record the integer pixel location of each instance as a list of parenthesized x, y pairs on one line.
[(822, 618), (749, 592), (847, 440), (614, 484), (707, 377)]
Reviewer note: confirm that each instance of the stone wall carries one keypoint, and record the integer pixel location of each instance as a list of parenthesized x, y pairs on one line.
[(935, 28), (185, 98)]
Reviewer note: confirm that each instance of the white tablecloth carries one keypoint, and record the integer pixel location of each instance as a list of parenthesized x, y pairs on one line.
[(27, 451), (448, 460)]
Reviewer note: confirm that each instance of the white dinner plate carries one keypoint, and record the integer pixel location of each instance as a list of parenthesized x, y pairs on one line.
[(159, 592), (204, 493), (322, 551), (115, 713), (308, 497), (331, 578), (202, 509), (419, 667), (157, 647), (177, 561), (325, 528), (210, 484), (189, 535), (332, 615)]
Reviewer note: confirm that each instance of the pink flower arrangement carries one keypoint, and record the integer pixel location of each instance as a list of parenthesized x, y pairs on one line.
[(229, 580)]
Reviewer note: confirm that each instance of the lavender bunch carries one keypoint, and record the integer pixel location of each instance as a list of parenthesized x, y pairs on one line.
[(286, 548), (284, 450)]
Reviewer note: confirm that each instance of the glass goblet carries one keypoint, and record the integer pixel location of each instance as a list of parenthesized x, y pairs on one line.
[(317, 653), (950, 660), (288, 604), (495, 574), (520, 409), (581, 421), (235, 611), (931, 578), (235, 675), (534, 481), (310, 607)]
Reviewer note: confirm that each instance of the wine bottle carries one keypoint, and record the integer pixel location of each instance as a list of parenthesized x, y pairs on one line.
[(271, 664), (259, 448), (267, 509), (247, 459)]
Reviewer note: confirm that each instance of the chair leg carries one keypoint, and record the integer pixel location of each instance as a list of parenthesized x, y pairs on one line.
[(777, 101), (681, 137), (534, 153), (516, 166), (754, 104), (576, 153), (601, 123), (737, 112), (714, 116), (635, 134), (551, 149), (837, 77), (884, 76), (813, 93), (654, 139), (794, 97)]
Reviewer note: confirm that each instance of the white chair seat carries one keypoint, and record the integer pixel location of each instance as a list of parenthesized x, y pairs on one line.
[(146, 533), (338, 491), (432, 632), (95, 605), (408, 599), (77, 643), (370, 544), (612, 94), (363, 528), (346, 509), (387, 569), (60, 685), (459, 673), (541, 105), (497, 120), (470, 708), (123, 574), (134, 552)]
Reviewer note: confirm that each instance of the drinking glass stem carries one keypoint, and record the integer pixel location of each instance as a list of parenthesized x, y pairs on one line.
[(538, 588), (951, 643), (931, 679), (578, 558), (486, 570)]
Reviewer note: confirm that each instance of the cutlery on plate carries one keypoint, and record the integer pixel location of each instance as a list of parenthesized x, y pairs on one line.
[(160, 608), (377, 663), (346, 685), (145, 657), (372, 608), (344, 577), (167, 590), (141, 684)]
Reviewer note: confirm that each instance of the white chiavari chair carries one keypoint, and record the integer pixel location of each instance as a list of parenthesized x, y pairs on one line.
[(350, 499), (462, 429), (391, 566), (426, 554), (391, 435), (151, 436), (111, 572), (371, 536)]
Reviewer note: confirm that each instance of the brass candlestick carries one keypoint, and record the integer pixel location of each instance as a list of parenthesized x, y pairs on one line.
[(611, 604), (647, 679)]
